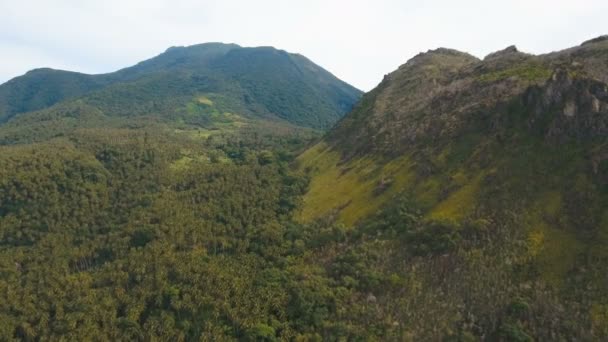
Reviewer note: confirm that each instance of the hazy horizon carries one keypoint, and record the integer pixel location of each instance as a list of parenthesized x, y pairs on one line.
[(358, 41)]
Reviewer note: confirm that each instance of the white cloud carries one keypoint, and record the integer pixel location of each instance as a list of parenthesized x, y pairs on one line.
[(357, 40)]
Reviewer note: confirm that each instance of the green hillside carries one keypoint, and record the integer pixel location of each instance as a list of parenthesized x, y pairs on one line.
[(190, 197), (497, 168), (254, 82), (42, 88)]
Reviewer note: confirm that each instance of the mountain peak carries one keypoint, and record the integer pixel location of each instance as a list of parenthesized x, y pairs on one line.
[(440, 56), (447, 52), (438, 94), (508, 51), (596, 40), (257, 83), (202, 46), (47, 70)]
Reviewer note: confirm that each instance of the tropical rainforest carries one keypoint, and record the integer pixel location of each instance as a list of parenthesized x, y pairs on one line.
[(223, 193)]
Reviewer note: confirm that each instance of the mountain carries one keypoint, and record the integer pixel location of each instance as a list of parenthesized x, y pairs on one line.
[(188, 83), (476, 177), (460, 200), (42, 88), (444, 111)]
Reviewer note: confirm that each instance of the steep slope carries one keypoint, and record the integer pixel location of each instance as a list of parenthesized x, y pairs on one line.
[(443, 109), (255, 82), (42, 88), (453, 161)]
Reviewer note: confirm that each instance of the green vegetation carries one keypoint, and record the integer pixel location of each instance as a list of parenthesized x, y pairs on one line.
[(529, 72), (192, 205), (146, 234), (115, 236), (495, 215), (259, 83), (352, 190), (42, 88)]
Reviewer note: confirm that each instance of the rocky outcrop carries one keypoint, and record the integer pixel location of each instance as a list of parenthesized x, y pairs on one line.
[(569, 108), (510, 52), (442, 94)]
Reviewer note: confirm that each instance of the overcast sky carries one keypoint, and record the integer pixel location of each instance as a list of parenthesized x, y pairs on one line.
[(359, 41)]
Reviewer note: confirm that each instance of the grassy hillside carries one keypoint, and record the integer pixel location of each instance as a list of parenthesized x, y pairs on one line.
[(505, 156), (446, 118)]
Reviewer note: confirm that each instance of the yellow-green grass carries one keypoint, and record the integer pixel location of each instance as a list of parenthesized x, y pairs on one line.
[(221, 124), (598, 248), (353, 189), (182, 163), (204, 101), (552, 248), (427, 192), (460, 203), (599, 317), (187, 159), (557, 251)]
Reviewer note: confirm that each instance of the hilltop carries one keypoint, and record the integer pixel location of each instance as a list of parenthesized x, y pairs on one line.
[(191, 83)]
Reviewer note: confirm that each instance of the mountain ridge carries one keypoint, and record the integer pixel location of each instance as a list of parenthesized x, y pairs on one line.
[(503, 72), (330, 97), (458, 161)]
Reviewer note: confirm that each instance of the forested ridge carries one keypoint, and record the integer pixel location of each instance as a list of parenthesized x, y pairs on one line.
[(129, 234), (258, 83), (142, 234), (121, 236)]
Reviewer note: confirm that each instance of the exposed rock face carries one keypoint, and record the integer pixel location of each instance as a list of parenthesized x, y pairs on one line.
[(596, 105), (570, 108), (441, 94), (582, 103), (510, 53)]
